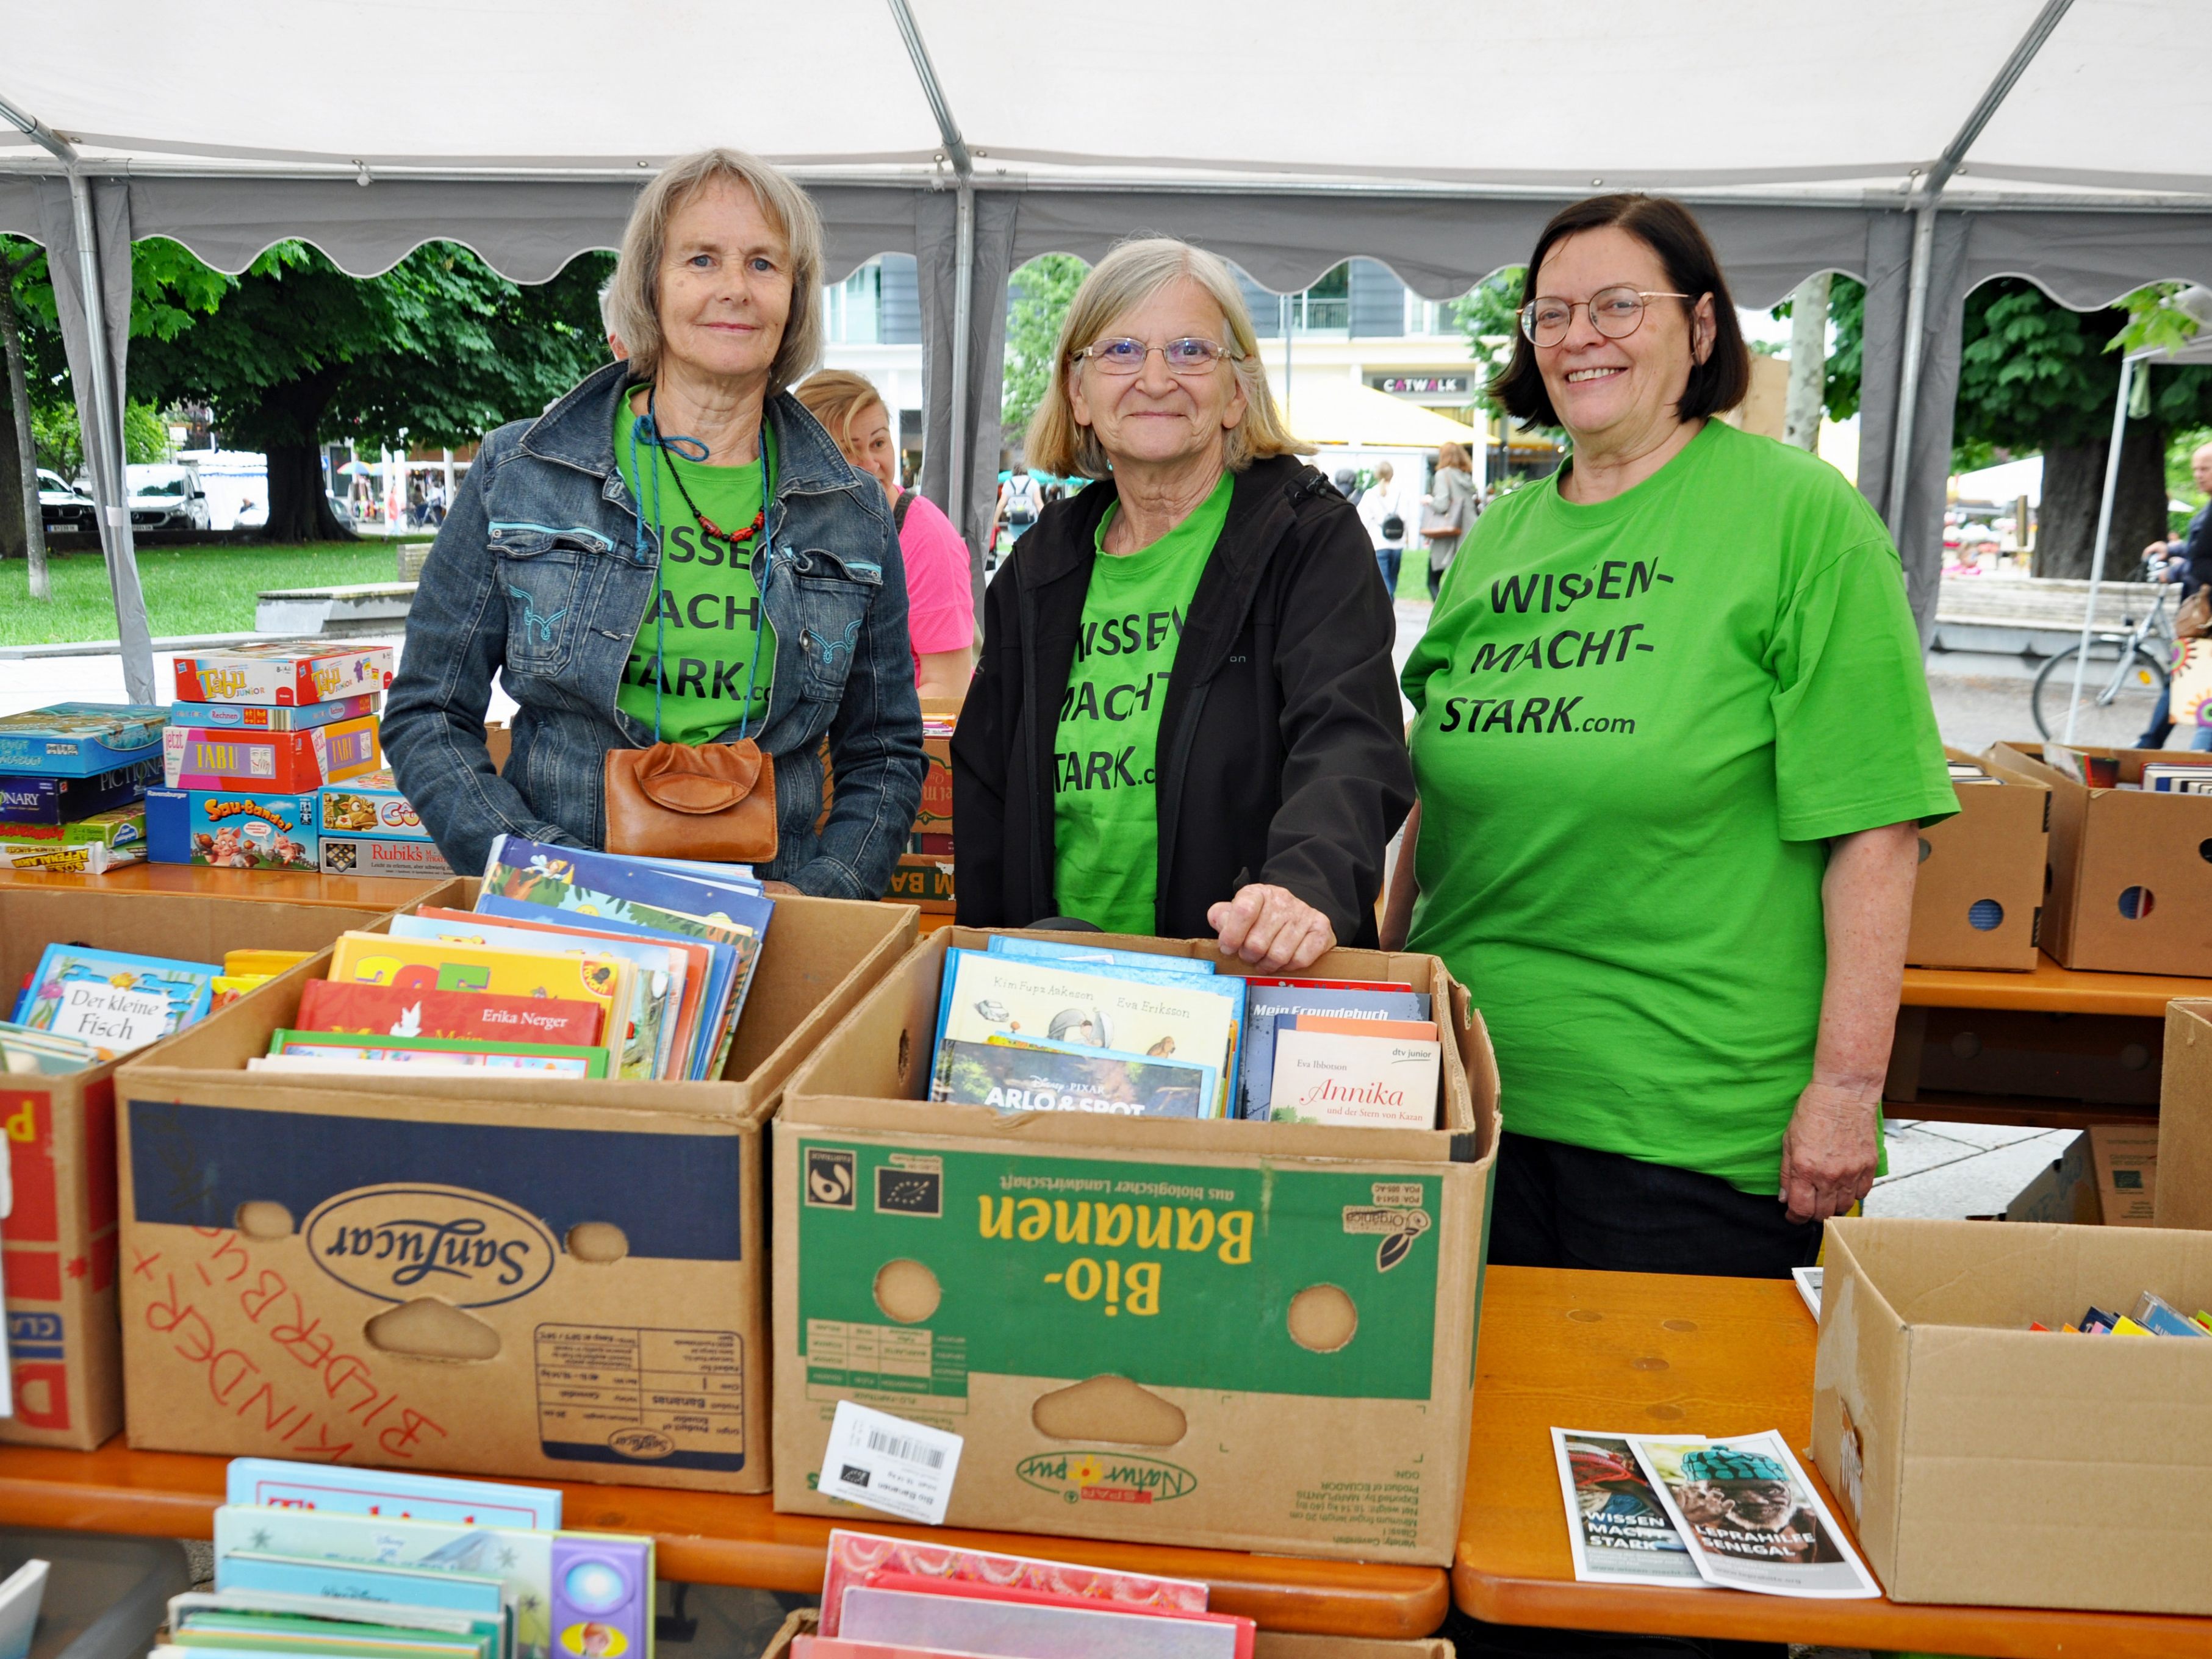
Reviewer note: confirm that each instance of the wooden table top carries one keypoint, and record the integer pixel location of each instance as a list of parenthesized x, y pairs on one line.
[(277, 886), (710, 1537), (2050, 989), (1657, 1354)]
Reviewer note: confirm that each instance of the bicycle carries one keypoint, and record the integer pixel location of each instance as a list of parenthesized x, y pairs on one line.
[(2122, 686)]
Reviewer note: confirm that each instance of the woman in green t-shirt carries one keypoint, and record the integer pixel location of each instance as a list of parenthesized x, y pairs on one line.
[(1674, 739), (1184, 720)]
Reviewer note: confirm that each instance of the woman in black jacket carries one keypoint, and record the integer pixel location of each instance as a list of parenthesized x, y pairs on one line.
[(1186, 719)]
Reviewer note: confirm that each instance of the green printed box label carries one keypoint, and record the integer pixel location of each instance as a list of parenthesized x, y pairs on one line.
[(1175, 1276)]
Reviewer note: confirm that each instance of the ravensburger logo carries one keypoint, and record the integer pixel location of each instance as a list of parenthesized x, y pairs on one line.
[(399, 1242)]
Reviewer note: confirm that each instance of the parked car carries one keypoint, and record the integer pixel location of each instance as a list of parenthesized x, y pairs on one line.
[(166, 495), (63, 509)]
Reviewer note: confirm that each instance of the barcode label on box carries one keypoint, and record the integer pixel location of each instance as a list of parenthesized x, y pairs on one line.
[(890, 1464)]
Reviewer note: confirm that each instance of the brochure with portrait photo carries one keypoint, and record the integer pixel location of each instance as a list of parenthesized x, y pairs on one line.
[(1750, 1517), (1619, 1530)]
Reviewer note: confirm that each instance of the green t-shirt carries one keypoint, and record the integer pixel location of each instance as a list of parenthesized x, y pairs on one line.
[(1106, 827), (1639, 721), (709, 610)]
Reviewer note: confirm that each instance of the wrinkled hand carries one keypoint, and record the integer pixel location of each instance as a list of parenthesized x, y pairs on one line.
[(1829, 1151), (780, 889), (1272, 929)]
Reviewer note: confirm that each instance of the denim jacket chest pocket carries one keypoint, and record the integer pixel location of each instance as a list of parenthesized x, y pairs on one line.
[(835, 592), (549, 576)]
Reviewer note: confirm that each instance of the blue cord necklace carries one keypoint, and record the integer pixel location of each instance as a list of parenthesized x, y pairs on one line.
[(646, 427)]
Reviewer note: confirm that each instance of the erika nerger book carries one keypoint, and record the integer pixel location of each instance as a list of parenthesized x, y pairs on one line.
[(1064, 1077)]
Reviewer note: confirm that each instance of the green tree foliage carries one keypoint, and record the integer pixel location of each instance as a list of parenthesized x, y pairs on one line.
[(1040, 293), (441, 345), (61, 445), (1487, 314)]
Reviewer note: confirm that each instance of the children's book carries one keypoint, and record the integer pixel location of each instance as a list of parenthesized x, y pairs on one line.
[(25, 1052), (532, 1057), (656, 983), (1046, 949), (430, 965), (334, 1489), (117, 1001), (1377, 1073), (1186, 1017), (862, 1557), (1039, 1076), (392, 1010), (1270, 1000), (358, 1581)]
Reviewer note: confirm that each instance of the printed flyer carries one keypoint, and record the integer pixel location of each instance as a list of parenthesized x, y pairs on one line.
[(1752, 1519)]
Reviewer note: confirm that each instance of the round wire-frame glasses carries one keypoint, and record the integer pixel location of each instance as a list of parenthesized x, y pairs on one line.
[(1615, 313)]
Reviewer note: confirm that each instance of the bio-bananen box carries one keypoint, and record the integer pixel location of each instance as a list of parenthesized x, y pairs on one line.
[(1217, 1332)]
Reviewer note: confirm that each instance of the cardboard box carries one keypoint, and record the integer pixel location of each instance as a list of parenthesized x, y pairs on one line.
[(202, 757), (267, 717), (81, 740), (60, 1240), (503, 1276), (924, 881), (2107, 1176), (2129, 892), (1981, 1463), (2185, 1119), (1978, 902), (232, 829), (91, 846), (285, 673), (51, 802), (1242, 1335), (934, 816), (1266, 1644)]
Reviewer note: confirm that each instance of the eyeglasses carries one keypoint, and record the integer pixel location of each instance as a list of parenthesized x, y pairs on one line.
[(1192, 356), (1615, 313)]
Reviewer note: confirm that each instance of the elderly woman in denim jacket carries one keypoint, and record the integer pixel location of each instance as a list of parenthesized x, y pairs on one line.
[(674, 551)]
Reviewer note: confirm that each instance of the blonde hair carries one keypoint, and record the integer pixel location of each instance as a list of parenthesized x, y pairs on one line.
[(1126, 277), (632, 307), (836, 398)]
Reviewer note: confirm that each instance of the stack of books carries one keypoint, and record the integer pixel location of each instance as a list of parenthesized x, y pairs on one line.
[(575, 964), (255, 735), (363, 1564), (895, 1598), (73, 782), (1034, 1024), (2152, 1315), (107, 1002)]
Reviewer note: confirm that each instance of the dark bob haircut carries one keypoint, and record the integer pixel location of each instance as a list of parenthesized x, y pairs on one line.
[(1666, 229)]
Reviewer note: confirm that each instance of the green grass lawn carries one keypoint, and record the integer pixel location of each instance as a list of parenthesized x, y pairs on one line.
[(189, 590)]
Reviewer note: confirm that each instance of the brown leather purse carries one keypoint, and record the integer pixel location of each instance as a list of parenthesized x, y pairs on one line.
[(714, 802)]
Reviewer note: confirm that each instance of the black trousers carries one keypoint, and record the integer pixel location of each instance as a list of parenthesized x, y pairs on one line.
[(1558, 1205)]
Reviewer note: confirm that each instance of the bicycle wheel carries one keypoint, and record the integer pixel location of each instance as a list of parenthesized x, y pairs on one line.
[(2118, 695)]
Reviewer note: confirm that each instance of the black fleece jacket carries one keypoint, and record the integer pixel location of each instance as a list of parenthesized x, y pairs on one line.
[(1282, 754)]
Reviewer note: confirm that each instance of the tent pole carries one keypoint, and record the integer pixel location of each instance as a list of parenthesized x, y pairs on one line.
[(963, 324), (1932, 185), (2128, 373)]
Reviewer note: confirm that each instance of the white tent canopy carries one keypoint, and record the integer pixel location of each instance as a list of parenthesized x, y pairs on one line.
[(1935, 146)]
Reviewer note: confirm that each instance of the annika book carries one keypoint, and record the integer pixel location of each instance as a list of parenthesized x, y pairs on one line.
[(1271, 1000), (1042, 1076), (1162, 1016), (391, 1010), (1377, 1073), (115, 1002)]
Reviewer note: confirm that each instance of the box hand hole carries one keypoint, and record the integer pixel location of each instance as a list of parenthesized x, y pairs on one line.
[(598, 1241), (906, 1291), (1925, 849), (1110, 1408), (427, 1328), (263, 1219), (1323, 1318), (2135, 902), (1984, 915)]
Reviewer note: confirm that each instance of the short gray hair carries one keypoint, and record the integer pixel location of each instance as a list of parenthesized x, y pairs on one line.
[(632, 306)]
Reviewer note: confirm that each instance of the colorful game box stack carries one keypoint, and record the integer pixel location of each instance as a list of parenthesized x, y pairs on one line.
[(255, 735), (73, 781), (366, 1565)]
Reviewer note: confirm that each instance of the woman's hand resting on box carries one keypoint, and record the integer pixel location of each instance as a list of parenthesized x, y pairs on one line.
[(1272, 929)]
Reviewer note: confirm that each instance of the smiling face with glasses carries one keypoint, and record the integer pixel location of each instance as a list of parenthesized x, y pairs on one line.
[(1158, 387), (1614, 343)]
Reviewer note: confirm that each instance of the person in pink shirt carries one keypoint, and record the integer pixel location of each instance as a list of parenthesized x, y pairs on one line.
[(940, 600)]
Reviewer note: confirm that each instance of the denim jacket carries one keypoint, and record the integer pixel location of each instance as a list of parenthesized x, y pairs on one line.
[(542, 575)]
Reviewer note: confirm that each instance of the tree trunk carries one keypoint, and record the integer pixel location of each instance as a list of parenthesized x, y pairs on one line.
[(1809, 363), (20, 457), (299, 507), (2072, 486)]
